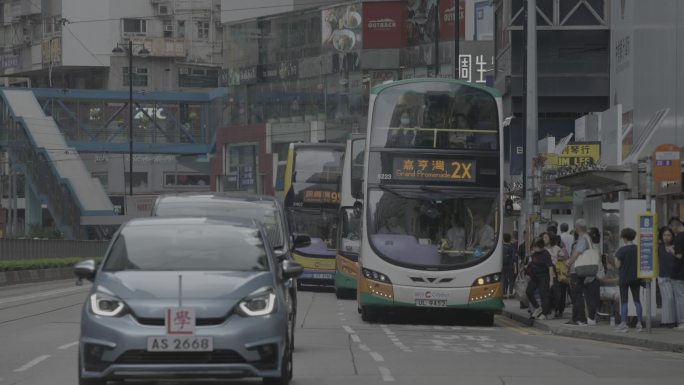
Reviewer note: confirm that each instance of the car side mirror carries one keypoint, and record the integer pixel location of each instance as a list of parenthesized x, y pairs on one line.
[(85, 270), (291, 269), (280, 254), (300, 240)]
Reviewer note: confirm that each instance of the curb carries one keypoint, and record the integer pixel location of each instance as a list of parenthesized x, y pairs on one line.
[(15, 277), (603, 337)]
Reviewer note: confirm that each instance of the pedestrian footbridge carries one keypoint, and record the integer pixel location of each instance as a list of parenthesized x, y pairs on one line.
[(55, 174)]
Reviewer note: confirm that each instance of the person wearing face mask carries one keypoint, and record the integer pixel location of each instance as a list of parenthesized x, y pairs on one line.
[(402, 136)]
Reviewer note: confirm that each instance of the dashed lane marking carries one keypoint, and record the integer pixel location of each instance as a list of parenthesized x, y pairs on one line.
[(377, 357), (348, 329), (67, 346), (364, 347), (386, 374), (32, 363), (355, 338)]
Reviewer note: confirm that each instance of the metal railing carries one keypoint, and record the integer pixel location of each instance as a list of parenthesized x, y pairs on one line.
[(14, 249)]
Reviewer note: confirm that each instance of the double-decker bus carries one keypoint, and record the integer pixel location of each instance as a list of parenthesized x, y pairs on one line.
[(311, 202), (349, 228), (432, 199)]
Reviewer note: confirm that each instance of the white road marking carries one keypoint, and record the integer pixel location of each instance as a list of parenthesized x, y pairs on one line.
[(41, 294), (386, 374), (355, 338), (343, 319), (340, 313), (364, 347), (377, 357), (67, 346), (32, 363), (348, 329)]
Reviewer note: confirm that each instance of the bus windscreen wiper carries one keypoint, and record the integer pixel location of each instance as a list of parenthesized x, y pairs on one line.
[(390, 190)]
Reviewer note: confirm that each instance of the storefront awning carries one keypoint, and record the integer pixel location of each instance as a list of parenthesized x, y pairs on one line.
[(606, 180)]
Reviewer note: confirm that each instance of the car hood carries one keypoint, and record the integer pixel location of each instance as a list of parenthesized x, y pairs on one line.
[(212, 294)]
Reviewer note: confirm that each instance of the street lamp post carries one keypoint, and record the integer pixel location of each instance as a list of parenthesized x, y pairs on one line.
[(143, 53)]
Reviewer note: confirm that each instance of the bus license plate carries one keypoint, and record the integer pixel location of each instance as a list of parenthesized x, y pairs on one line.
[(322, 276), (431, 303), (180, 344)]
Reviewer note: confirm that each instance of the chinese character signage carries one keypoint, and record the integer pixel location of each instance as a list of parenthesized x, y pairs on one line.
[(321, 196), (438, 170), (667, 169), (580, 154), (647, 246), (383, 25), (180, 320)]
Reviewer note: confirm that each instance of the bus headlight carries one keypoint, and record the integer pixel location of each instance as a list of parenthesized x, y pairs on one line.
[(486, 287), (488, 280), (375, 276)]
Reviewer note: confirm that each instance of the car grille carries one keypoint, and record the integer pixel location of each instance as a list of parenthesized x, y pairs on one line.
[(213, 357), (199, 321)]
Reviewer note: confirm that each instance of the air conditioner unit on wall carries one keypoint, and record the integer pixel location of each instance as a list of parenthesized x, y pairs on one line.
[(168, 28)]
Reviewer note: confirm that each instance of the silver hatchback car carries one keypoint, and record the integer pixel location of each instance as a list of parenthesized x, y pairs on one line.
[(193, 298)]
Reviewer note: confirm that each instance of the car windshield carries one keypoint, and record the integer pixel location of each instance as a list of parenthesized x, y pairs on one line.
[(201, 247), (431, 228), (266, 214)]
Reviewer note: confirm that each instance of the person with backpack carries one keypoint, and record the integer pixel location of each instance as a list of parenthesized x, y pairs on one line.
[(508, 271), (541, 271)]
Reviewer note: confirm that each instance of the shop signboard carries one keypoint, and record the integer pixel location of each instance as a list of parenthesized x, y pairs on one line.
[(383, 25), (575, 155), (667, 169)]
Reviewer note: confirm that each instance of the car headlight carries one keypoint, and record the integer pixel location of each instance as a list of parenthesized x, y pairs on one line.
[(106, 305), (260, 302)]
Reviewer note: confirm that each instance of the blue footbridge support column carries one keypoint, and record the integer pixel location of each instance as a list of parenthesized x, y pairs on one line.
[(33, 213)]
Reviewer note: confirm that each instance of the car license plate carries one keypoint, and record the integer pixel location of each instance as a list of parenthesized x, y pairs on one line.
[(180, 344), (431, 302)]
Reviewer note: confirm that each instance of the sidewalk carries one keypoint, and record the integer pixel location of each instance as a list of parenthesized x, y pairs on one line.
[(658, 339)]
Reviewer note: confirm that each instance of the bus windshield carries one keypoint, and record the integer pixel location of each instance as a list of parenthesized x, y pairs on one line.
[(320, 225), (439, 115), (317, 165), (430, 228)]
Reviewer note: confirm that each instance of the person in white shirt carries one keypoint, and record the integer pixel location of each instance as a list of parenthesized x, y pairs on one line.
[(456, 235), (566, 238)]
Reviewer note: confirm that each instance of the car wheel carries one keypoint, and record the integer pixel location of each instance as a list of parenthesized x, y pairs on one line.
[(87, 381), (286, 371)]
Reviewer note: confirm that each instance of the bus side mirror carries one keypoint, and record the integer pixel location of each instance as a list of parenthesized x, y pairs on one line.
[(300, 240), (358, 209)]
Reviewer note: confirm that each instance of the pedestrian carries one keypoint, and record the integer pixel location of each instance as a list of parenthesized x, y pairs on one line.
[(509, 261), (550, 244), (666, 258), (521, 263), (627, 263), (541, 272), (677, 275), (582, 244), (592, 285), (566, 239)]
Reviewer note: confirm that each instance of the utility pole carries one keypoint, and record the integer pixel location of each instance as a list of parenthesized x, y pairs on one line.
[(436, 39), (457, 37), (531, 112)]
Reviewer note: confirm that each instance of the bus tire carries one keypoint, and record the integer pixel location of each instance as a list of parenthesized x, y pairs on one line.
[(486, 319), (368, 314)]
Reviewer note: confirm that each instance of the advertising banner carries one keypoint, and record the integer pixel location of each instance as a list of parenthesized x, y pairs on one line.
[(448, 18), (383, 25), (341, 28)]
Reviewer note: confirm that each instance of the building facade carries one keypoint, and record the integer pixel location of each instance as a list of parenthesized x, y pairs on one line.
[(68, 43), (306, 74)]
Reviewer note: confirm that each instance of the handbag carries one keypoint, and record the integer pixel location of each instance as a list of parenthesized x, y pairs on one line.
[(521, 286), (586, 264)]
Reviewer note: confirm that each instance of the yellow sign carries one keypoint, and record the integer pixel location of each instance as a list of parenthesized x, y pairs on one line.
[(434, 169), (576, 154)]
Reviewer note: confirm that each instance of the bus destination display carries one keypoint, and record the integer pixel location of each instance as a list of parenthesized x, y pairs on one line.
[(438, 170)]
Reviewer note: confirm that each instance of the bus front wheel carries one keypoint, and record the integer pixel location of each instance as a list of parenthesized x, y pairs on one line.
[(368, 314)]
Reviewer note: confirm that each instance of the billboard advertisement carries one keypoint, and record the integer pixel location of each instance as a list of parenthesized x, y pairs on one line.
[(383, 25)]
